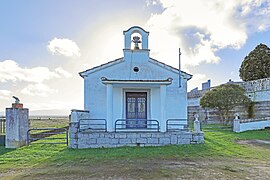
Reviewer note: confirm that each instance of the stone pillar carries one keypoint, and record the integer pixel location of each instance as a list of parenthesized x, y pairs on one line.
[(110, 124), (74, 125), (162, 121), (76, 115), (73, 134), (197, 125), (236, 123), (17, 125)]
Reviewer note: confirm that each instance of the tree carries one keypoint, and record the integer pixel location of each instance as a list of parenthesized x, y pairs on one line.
[(224, 98), (256, 65)]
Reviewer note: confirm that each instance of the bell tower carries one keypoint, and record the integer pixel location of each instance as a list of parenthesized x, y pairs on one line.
[(136, 39), (136, 45)]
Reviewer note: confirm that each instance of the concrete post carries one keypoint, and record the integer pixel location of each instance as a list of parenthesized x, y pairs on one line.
[(236, 123), (17, 125), (197, 125)]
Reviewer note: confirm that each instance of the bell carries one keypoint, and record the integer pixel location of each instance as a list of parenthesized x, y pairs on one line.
[(136, 40)]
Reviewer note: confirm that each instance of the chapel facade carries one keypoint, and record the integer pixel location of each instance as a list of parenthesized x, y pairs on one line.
[(133, 94)]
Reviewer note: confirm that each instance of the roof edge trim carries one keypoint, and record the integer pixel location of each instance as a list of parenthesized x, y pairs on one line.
[(102, 66), (171, 68), (133, 27)]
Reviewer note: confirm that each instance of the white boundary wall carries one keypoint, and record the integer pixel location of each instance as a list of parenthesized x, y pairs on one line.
[(250, 124)]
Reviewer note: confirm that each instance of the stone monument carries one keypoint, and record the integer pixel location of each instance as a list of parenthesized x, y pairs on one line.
[(17, 125), (197, 125), (236, 122)]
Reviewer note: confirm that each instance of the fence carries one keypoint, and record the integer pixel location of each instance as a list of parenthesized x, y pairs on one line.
[(135, 125), (2, 131), (47, 135), (2, 125), (176, 125), (93, 125)]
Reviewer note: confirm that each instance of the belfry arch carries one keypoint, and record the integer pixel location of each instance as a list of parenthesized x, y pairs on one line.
[(136, 29)]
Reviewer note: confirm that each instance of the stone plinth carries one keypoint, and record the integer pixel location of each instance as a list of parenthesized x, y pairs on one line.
[(17, 125), (89, 139)]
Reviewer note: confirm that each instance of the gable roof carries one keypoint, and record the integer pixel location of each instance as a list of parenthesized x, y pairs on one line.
[(102, 66), (119, 60), (171, 68)]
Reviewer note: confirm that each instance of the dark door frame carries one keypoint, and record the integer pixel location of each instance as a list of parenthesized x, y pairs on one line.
[(136, 120)]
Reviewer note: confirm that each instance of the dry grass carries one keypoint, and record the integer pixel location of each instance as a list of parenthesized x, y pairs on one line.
[(49, 123), (154, 169)]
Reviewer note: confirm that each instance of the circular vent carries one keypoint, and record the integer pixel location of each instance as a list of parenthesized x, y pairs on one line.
[(136, 69)]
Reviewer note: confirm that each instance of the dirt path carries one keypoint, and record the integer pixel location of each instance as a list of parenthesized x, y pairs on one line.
[(152, 169), (255, 142)]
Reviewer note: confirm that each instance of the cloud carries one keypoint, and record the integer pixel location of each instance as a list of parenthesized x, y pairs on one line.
[(151, 2), (203, 27), (11, 71), (38, 90), (197, 77), (63, 72), (35, 78), (64, 47), (5, 94)]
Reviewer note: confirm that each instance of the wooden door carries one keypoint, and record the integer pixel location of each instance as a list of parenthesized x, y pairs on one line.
[(136, 109)]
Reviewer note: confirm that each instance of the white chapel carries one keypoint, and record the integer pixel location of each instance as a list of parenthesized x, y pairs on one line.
[(135, 92)]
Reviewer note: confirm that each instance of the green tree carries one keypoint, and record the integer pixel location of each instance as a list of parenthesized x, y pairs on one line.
[(257, 64), (224, 98)]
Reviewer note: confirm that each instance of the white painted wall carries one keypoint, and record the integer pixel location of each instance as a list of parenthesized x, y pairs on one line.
[(255, 125), (95, 92)]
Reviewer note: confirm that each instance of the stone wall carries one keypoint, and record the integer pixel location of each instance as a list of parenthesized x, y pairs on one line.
[(90, 139), (261, 109), (257, 85), (258, 91)]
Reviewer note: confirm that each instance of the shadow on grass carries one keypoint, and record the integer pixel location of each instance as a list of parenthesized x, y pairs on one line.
[(2, 139), (4, 150)]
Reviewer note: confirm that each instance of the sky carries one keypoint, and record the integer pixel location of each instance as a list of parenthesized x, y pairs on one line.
[(45, 44)]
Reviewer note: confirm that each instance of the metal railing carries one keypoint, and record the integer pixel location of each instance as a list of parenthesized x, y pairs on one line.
[(93, 125), (135, 125), (2, 125), (176, 125), (47, 136)]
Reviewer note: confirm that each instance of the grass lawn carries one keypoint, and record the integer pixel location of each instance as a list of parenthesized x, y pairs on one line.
[(225, 155)]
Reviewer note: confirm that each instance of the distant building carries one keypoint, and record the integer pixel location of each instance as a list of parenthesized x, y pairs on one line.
[(195, 90), (206, 85)]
